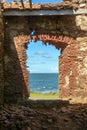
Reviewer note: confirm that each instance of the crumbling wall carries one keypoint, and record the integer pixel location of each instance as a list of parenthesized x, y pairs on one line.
[(81, 22), (1, 57), (17, 34), (15, 71), (77, 1), (76, 64), (71, 38)]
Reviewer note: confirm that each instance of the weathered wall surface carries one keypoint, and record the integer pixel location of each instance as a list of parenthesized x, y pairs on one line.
[(81, 22), (1, 57), (15, 61), (77, 1), (76, 64), (56, 32), (71, 38)]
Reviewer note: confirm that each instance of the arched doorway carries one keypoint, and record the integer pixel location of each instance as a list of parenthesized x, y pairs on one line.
[(49, 29), (43, 62)]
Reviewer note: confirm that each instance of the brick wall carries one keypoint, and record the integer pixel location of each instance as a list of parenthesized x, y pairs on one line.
[(74, 65), (1, 57), (54, 30)]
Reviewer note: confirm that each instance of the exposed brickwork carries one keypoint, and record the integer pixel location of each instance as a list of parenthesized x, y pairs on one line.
[(71, 38), (76, 79), (69, 34), (69, 71), (1, 57), (57, 33)]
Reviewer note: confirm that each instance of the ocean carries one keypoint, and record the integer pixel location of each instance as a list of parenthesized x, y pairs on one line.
[(44, 82)]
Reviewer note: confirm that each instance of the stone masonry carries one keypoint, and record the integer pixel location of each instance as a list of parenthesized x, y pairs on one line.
[(68, 33), (59, 34), (1, 57)]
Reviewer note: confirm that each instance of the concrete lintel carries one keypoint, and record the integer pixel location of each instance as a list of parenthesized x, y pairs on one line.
[(43, 12)]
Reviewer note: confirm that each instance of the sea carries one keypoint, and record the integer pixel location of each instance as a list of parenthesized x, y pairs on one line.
[(44, 82)]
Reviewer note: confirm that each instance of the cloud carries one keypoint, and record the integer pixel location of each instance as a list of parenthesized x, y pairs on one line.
[(40, 53), (48, 57), (43, 54), (34, 62)]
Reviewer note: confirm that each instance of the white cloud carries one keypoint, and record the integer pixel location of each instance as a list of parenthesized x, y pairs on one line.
[(35, 61), (47, 56), (40, 53)]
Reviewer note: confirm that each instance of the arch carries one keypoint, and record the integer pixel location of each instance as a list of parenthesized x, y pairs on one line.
[(54, 39), (22, 41)]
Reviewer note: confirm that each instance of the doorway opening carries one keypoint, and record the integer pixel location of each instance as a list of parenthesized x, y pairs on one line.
[(43, 62)]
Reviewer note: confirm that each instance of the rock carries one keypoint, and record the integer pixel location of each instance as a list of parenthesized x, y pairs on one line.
[(28, 128)]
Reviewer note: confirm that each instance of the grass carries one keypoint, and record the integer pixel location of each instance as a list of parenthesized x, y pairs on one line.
[(40, 95)]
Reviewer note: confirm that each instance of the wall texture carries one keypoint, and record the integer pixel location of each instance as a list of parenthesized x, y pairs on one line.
[(71, 38), (74, 66), (77, 1), (69, 35), (15, 72), (1, 57), (17, 36)]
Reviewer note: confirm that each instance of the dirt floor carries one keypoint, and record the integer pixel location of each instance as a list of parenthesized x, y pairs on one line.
[(24, 117)]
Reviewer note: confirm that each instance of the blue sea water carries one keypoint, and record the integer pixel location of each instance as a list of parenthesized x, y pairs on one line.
[(44, 82)]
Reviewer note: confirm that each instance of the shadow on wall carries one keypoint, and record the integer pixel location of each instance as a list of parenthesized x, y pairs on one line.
[(16, 75), (15, 86)]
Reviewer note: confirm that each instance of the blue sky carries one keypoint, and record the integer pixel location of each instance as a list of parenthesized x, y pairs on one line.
[(42, 58), (43, 1)]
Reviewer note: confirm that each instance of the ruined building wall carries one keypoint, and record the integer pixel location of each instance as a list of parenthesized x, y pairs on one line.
[(75, 86), (18, 30), (77, 1), (81, 22), (15, 74), (73, 64), (1, 57)]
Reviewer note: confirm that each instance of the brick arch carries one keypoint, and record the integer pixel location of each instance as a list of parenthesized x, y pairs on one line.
[(21, 43), (54, 39)]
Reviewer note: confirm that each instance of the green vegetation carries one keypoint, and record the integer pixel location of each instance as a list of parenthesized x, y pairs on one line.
[(40, 95)]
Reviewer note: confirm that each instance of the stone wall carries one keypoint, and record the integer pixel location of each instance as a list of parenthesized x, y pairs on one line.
[(15, 70), (76, 62), (1, 57), (71, 38), (81, 22), (17, 34), (77, 1)]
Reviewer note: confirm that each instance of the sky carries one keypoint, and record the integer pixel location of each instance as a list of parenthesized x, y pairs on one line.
[(42, 1), (45, 1), (42, 58)]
